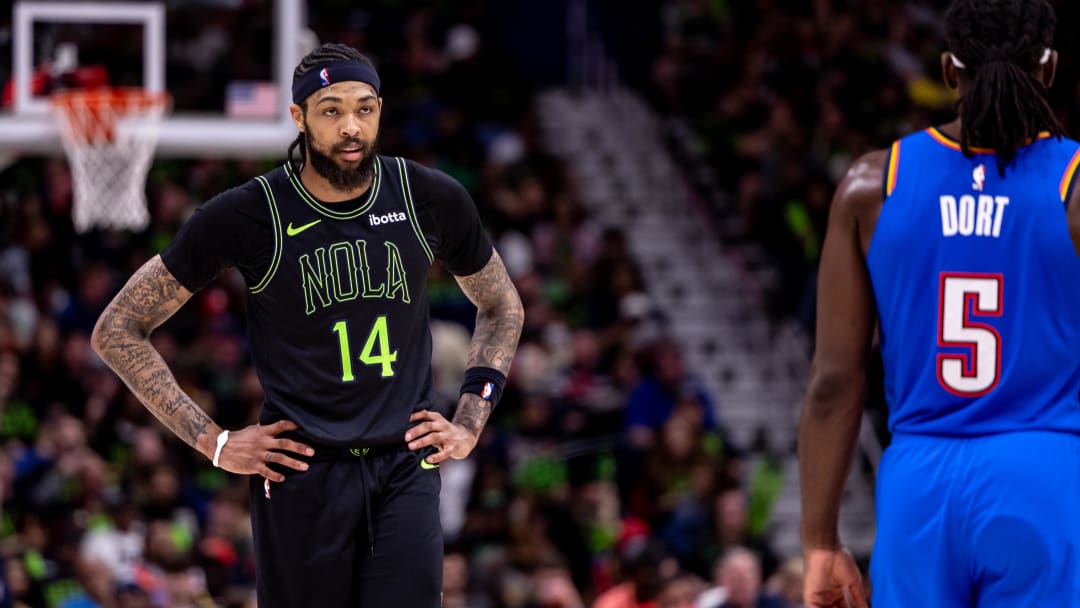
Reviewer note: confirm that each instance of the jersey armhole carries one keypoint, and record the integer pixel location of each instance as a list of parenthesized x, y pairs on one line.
[(892, 165), (406, 191), (1068, 180), (276, 220)]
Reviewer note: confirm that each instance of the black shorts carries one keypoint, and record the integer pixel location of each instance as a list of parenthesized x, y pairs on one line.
[(357, 530)]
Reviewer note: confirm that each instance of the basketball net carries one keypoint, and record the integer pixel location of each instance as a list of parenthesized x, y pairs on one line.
[(109, 137)]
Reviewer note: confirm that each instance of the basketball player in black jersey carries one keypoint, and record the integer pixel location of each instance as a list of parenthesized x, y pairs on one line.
[(335, 251)]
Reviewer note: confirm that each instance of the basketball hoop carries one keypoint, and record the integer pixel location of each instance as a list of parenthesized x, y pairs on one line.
[(109, 137)]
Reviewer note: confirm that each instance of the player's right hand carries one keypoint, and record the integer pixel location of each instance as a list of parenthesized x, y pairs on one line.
[(831, 579), (251, 449)]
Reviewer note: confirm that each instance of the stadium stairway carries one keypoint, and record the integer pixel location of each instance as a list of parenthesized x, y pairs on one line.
[(628, 179)]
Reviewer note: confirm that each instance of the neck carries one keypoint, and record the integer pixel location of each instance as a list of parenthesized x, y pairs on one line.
[(322, 189), (952, 129)]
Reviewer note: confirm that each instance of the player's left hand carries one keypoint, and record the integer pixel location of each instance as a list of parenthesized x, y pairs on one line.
[(452, 440)]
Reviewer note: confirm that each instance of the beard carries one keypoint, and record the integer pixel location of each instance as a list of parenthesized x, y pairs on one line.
[(347, 178)]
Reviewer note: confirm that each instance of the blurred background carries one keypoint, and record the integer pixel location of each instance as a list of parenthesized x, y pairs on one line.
[(656, 175)]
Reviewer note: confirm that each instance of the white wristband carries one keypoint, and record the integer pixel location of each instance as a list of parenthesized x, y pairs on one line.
[(221, 440)]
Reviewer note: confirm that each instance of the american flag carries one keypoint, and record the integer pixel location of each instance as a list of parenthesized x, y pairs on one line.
[(247, 99)]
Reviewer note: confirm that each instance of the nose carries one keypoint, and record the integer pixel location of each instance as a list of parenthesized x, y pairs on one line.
[(350, 126)]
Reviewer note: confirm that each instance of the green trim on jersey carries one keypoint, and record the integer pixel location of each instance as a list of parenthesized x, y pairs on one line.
[(373, 192), (272, 203), (406, 191)]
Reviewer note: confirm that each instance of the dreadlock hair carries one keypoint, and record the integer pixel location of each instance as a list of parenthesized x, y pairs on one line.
[(323, 54), (1001, 43)]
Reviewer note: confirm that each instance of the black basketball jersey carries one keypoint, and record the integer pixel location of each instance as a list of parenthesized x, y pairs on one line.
[(337, 306)]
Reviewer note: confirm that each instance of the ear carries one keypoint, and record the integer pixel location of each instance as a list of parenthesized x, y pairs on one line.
[(948, 72), (1049, 71), (297, 116)]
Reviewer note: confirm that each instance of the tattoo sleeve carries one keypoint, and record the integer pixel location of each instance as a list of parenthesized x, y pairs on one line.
[(122, 339), (499, 315), (499, 318)]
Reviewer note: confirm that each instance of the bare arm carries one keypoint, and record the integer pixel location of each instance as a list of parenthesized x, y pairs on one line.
[(499, 318), (122, 339), (499, 315), (832, 407)]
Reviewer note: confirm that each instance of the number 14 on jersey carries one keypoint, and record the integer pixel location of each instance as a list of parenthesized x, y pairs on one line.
[(376, 349)]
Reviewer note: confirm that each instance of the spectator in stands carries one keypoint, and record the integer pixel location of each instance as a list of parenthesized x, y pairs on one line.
[(730, 530), (664, 388), (644, 565), (679, 480), (93, 294), (455, 579), (555, 589), (737, 577), (787, 583), (118, 546), (666, 384), (133, 596), (682, 591), (17, 590)]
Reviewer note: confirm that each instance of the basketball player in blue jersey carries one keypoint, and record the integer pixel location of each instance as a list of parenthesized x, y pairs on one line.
[(335, 250), (963, 242)]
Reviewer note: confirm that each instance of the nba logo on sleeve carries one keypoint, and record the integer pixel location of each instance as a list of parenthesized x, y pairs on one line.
[(486, 393), (324, 77)]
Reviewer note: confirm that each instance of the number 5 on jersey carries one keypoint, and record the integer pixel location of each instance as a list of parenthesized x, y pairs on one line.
[(376, 349), (963, 295)]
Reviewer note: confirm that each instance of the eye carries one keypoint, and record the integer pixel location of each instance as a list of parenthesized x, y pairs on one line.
[(330, 112), (367, 110)]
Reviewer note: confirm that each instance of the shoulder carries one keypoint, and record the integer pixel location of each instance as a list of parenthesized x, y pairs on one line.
[(248, 201), (276, 182), (861, 189), (865, 174), (230, 229), (239, 198), (240, 210), (431, 185), (423, 172)]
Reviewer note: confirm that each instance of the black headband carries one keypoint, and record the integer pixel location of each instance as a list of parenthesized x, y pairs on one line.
[(327, 74)]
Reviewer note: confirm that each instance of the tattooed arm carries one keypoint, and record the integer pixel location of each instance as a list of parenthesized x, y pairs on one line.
[(122, 339), (499, 317)]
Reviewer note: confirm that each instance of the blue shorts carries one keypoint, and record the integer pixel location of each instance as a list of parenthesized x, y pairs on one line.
[(987, 522)]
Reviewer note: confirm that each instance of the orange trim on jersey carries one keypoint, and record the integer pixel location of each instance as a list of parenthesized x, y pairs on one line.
[(950, 143), (894, 162), (1070, 173)]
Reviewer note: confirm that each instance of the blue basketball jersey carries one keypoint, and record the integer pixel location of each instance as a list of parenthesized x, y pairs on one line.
[(977, 287)]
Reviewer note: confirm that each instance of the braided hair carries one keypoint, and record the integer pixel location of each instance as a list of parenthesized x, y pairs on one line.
[(1001, 43), (326, 53)]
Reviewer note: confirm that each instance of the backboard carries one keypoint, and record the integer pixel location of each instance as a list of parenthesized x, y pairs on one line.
[(228, 65)]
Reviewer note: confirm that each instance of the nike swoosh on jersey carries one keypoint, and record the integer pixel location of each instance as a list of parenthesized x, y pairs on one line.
[(424, 464), (289, 230)]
